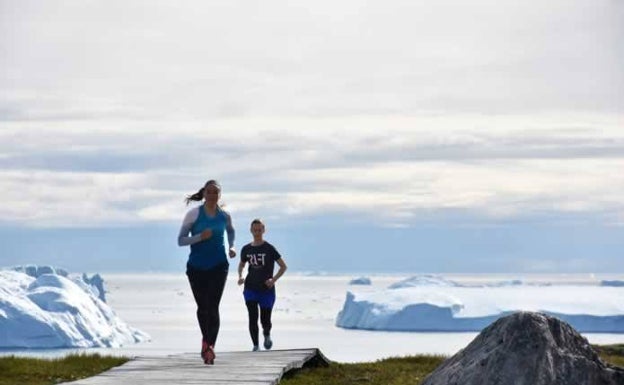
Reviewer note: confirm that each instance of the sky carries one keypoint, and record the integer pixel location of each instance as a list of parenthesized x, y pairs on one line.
[(371, 136)]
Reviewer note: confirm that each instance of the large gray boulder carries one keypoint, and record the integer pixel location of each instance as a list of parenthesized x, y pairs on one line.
[(527, 348)]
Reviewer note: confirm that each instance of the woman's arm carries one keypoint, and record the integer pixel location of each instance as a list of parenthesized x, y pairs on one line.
[(183, 236), (231, 234), (229, 228)]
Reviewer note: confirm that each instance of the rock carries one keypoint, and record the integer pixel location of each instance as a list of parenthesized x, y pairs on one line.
[(527, 348)]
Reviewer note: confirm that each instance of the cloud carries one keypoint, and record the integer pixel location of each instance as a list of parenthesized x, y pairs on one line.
[(117, 172), (229, 59), (112, 112), (43, 198)]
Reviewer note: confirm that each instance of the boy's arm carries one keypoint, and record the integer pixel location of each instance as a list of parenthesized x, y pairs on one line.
[(282, 269)]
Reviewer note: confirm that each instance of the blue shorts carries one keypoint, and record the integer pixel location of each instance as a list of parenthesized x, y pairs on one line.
[(266, 299)]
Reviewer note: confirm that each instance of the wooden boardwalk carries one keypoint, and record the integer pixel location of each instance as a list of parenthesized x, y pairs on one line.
[(230, 368)]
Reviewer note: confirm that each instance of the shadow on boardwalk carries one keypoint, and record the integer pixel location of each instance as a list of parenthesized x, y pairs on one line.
[(230, 368)]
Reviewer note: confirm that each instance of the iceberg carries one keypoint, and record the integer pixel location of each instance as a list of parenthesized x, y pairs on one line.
[(430, 303), (423, 280), (436, 280), (42, 309), (360, 281), (35, 271), (96, 283)]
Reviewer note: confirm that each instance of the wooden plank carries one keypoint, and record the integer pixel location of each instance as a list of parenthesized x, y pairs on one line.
[(230, 368)]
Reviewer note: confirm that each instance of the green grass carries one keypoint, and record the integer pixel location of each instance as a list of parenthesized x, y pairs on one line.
[(613, 354), (391, 371), (35, 371), (398, 371)]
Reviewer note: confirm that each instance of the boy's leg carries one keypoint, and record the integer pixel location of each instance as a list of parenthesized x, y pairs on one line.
[(265, 320), (252, 311), (266, 308)]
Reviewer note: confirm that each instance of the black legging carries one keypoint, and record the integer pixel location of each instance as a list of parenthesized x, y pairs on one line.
[(265, 320), (207, 287)]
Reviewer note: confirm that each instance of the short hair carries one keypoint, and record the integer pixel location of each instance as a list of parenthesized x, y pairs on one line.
[(257, 221)]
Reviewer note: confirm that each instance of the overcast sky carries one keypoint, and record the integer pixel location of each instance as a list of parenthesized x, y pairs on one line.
[(393, 114)]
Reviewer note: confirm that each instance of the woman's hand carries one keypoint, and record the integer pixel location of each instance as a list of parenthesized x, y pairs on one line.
[(241, 280), (206, 234), (269, 282), (232, 252)]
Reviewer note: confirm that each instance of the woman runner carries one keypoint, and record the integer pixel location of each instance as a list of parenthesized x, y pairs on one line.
[(207, 265)]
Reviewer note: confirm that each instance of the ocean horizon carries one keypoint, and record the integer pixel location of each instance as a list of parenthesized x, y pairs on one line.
[(304, 316)]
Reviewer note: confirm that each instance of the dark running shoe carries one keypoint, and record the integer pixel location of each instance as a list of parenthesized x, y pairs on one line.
[(267, 342)]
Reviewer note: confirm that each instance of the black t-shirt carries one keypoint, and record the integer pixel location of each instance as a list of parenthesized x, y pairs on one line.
[(261, 260)]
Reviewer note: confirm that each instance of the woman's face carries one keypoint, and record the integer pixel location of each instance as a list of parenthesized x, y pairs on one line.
[(211, 193)]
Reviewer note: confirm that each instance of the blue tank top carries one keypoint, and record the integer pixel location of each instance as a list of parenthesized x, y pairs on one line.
[(211, 252)]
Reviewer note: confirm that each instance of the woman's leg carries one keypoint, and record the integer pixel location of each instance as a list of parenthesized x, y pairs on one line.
[(207, 287), (200, 293), (216, 284), (252, 311)]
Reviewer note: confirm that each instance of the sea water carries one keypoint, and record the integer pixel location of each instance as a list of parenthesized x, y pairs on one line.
[(304, 316)]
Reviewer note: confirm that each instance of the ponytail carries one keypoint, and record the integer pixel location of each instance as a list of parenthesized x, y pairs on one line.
[(198, 196)]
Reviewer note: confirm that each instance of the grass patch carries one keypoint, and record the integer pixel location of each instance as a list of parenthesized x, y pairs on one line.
[(37, 371), (399, 371), (390, 371), (613, 354)]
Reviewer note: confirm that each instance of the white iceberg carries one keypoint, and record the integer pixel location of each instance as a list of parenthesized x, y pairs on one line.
[(423, 280), (95, 284), (441, 305), (49, 310), (437, 280), (35, 271)]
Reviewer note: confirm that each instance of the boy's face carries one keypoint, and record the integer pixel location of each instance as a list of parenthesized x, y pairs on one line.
[(257, 229)]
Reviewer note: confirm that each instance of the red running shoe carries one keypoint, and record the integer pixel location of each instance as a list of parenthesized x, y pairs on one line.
[(209, 356), (204, 350)]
